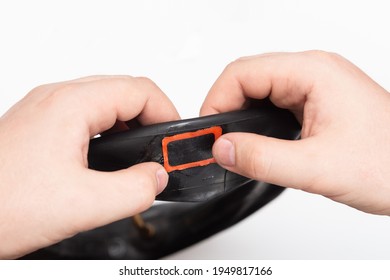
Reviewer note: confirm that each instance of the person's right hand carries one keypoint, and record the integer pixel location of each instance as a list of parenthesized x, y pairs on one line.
[(344, 153)]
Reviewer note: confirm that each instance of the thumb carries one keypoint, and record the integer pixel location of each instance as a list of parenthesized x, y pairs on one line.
[(111, 196), (275, 161)]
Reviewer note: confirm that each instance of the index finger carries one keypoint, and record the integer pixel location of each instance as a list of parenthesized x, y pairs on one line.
[(286, 78), (100, 102)]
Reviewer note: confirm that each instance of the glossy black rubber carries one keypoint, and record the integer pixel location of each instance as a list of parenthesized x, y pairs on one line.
[(198, 183), (176, 225)]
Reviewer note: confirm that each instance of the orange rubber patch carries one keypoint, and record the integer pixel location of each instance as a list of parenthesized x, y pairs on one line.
[(216, 130)]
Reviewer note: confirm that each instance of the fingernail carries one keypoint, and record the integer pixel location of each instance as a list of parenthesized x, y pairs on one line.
[(225, 154), (162, 180)]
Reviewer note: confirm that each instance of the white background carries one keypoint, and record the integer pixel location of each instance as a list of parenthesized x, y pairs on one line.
[(183, 46)]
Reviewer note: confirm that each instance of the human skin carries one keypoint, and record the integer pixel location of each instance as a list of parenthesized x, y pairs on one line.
[(344, 151), (47, 192)]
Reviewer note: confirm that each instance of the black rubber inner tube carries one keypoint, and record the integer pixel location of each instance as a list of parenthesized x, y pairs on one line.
[(202, 202)]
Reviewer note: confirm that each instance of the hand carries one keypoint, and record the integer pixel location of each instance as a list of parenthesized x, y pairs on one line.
[(47, 193), (344, 153)]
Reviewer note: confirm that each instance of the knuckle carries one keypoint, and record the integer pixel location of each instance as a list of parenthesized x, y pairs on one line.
[(135, 186), (40, 92), (61, 95), (323, 56), (123, 82), (261, 167), (256, 163), (232, 65), (49, 97), (125, 78), (316, 53), (241, 59), (324, 63), (146, 85), (39, 89), (145, 81), (146, 186)]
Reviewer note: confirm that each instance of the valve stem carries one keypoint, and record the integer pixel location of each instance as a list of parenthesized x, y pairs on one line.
[(145, 229)]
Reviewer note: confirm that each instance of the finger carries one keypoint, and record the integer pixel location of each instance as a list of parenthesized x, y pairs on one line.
[(281, 162), (99, 102), (105, 197), (122, 126), (287, 78), (117, 127), (126, 98), (46, 89)]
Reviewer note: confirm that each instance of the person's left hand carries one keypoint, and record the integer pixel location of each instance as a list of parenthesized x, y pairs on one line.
[(47, 192)]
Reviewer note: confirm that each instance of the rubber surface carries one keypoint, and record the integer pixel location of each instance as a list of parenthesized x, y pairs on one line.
[(184, 149), (223, 198)]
